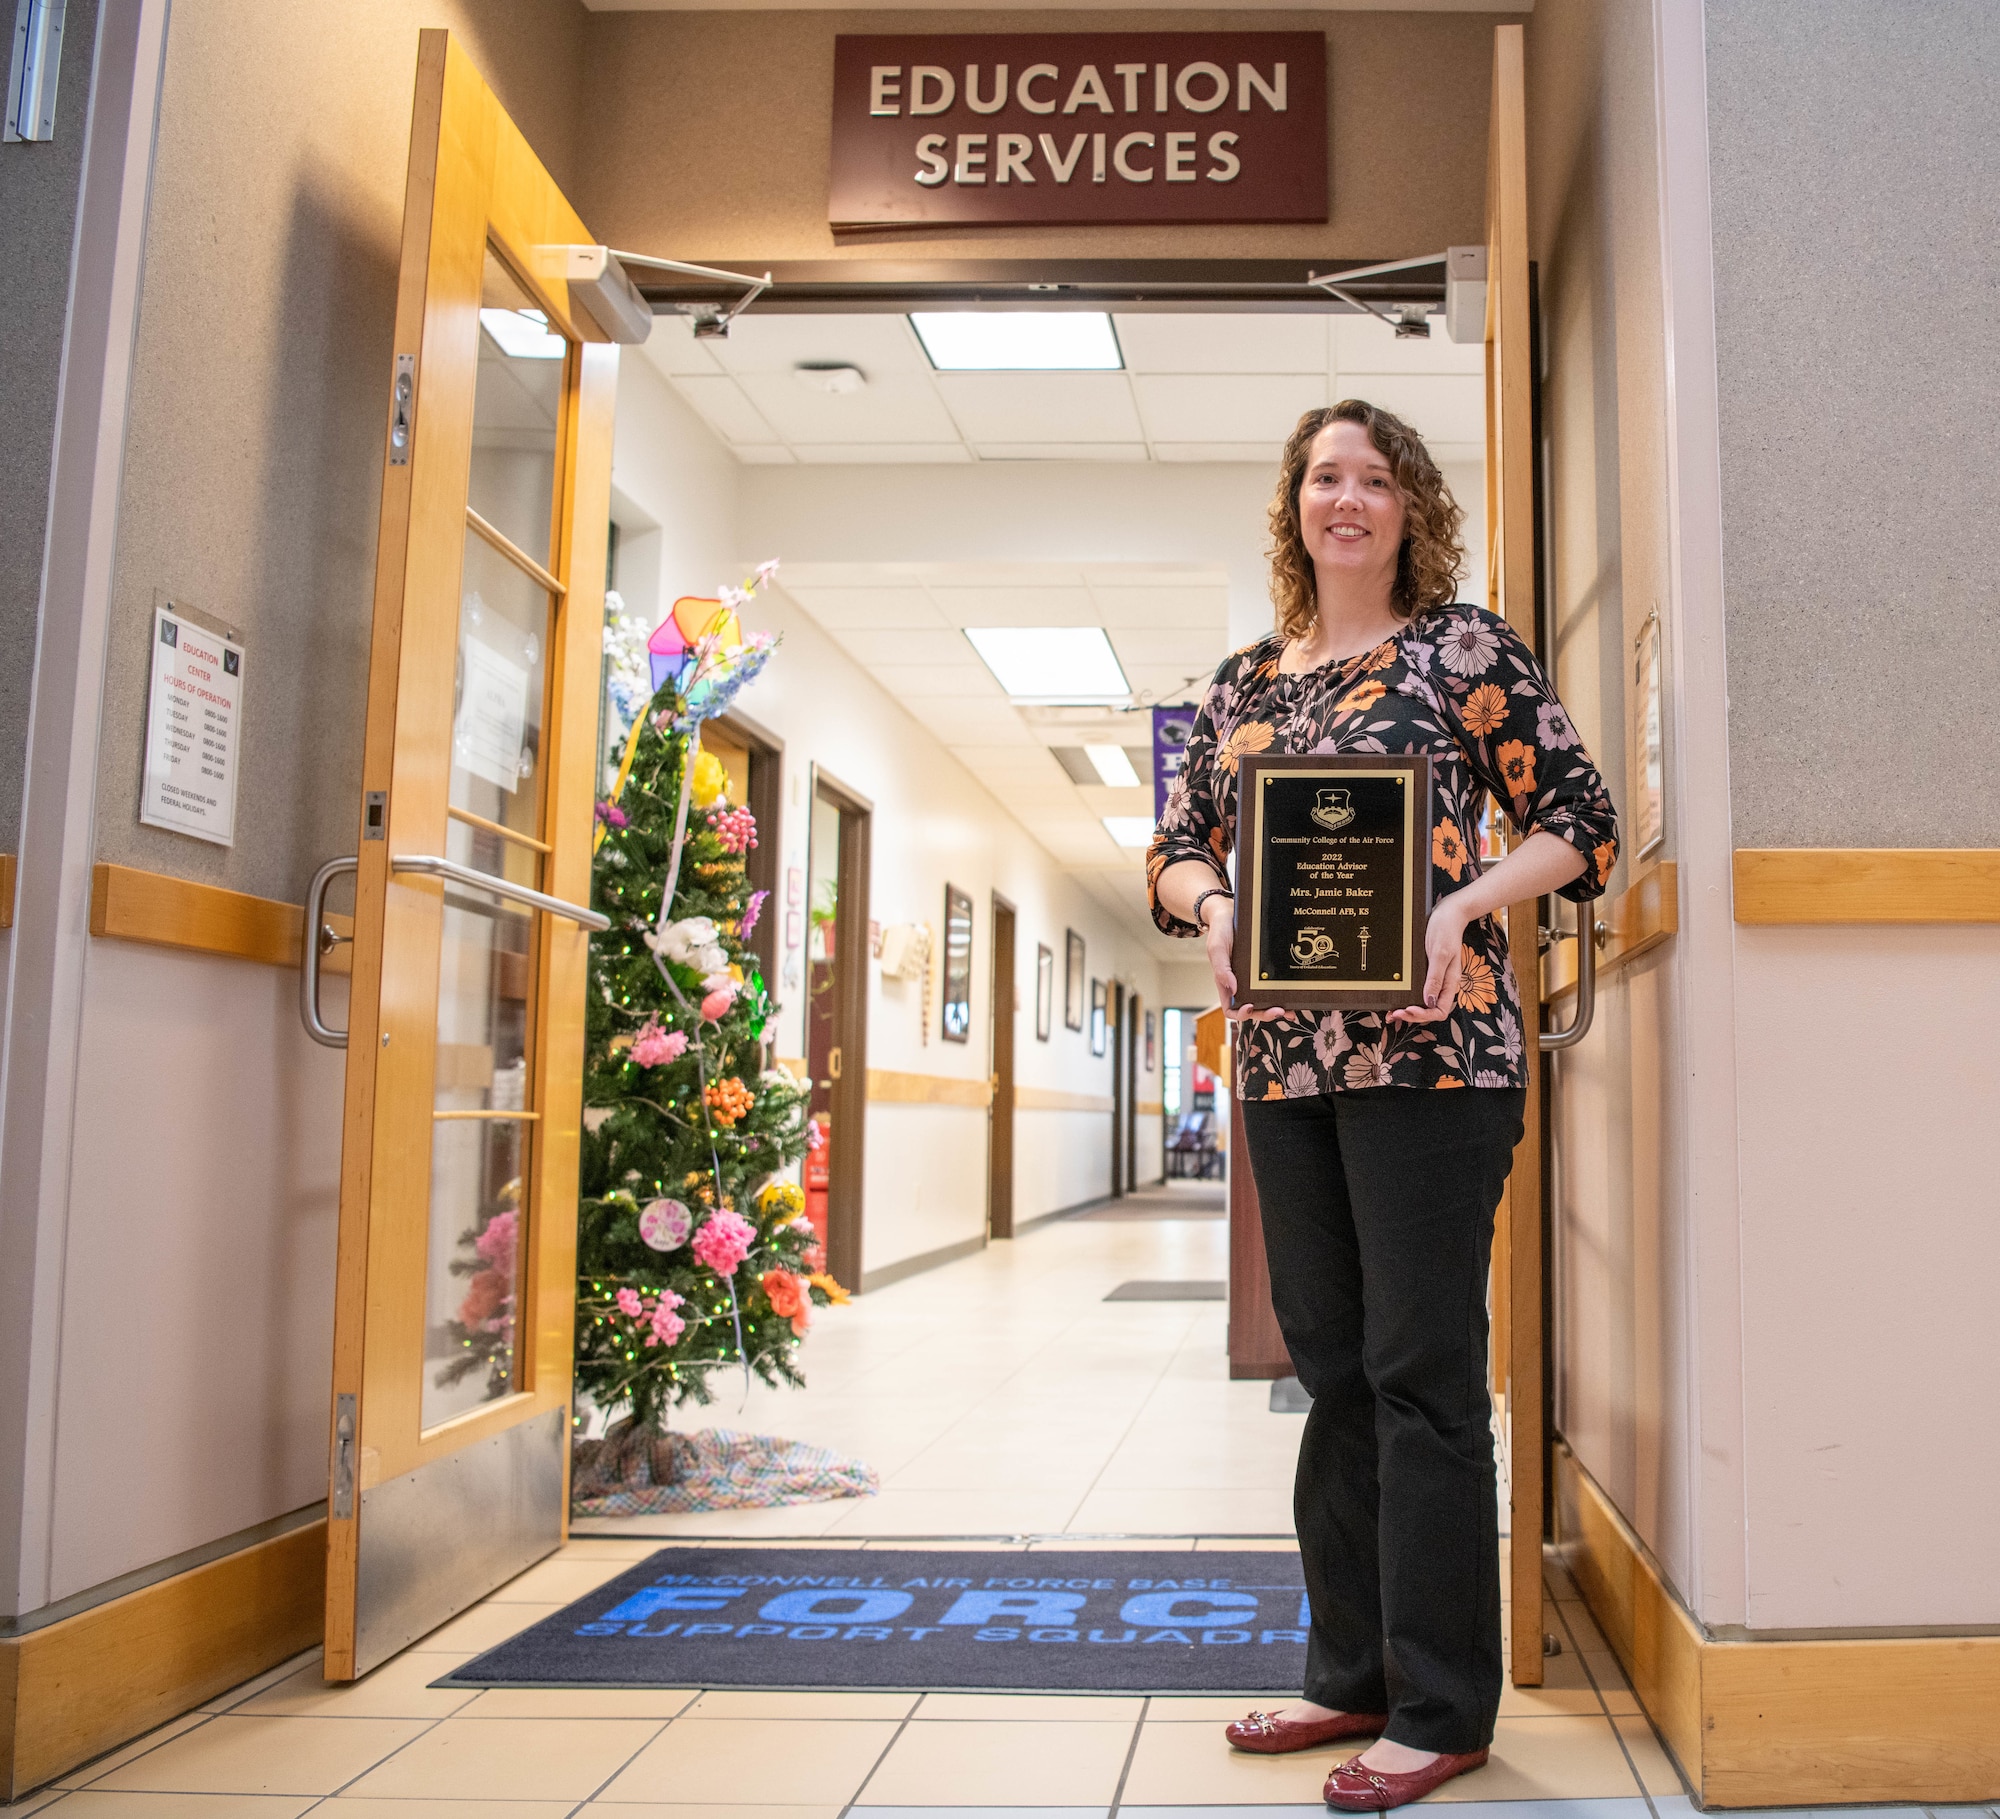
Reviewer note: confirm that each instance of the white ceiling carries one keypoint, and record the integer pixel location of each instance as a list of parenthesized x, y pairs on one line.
[(1195, 388), (903, 623)]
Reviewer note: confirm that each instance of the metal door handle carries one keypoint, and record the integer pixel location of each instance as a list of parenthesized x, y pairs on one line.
[(833, 1064), (431, 866), (1589, 932), (318, 938)]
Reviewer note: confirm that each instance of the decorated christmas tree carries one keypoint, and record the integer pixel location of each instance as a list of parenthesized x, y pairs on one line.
[(692, 1255)]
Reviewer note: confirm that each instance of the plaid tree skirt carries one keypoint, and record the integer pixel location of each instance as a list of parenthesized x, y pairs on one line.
[(632, 1472)]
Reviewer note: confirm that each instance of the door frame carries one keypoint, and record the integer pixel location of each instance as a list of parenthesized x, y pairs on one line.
[(1114, 1016), (848, 1095), (1512, 461), (767, 807)]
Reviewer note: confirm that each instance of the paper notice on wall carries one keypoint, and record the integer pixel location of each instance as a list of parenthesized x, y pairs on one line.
[(492, 715), (193, 713)]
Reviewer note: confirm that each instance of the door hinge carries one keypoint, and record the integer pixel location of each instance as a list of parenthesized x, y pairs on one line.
[(402, 409), (343, 1458)]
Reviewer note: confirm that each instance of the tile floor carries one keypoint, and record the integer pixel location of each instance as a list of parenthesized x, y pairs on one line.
[(1055, 1417)]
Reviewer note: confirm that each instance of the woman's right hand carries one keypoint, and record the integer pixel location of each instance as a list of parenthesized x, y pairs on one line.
[(1218, 934)]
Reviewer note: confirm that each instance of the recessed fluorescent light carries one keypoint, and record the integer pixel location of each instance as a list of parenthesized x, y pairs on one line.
[(1130, 830), (523, 334), (1052, 663), (1113, 767), (1018, 341)]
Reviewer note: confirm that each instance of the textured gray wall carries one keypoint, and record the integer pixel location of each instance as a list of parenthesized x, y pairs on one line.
[(253, 467), (38, 196), (1855, 157)]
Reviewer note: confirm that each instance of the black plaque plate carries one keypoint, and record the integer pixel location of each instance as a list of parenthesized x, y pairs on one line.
[(1333, 881)]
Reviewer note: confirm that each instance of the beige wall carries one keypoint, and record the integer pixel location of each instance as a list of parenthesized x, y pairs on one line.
[(254, 460), (707, 137)]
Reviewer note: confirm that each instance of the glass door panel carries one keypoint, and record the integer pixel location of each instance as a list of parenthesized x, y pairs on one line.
[(481, 1132)]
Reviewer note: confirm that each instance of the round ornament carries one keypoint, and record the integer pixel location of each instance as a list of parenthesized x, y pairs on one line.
[(665, 1225)]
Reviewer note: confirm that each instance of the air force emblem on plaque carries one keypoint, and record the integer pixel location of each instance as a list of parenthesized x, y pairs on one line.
[(1332, 810)]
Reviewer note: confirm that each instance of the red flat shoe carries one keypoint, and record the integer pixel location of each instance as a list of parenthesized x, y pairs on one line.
[(1354, 1789), (1266, 1734)]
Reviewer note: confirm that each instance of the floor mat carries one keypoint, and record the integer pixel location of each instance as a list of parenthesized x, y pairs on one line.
[(1125, 1621)]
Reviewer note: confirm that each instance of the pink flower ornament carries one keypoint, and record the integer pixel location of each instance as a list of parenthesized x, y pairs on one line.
[(665, 1224), (629, 1303), (724, 1240), (667, 1325), (655, 1047)]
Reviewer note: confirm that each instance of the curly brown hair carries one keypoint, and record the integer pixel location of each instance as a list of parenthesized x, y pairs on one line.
[(1431, 558)]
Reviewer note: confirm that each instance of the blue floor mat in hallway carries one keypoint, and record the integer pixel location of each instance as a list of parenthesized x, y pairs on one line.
[(908, 1620)]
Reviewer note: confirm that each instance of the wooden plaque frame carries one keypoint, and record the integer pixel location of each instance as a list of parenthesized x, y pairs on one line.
[(1256, 774)]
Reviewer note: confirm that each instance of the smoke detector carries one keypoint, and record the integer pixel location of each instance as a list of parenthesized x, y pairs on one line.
[(834, 376)]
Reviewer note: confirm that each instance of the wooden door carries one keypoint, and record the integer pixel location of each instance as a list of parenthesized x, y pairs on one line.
[(1510, 467), (454, 1295), (1000, 1138), (838, 863)]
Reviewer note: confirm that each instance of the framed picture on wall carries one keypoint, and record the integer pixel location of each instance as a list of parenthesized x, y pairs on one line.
[(1149, 1042), (1073, 980), (956, 1017), (1097, 997), (1045, 992)]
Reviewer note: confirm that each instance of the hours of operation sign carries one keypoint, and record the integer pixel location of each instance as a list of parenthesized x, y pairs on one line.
[(1072, 127), (192, 720)]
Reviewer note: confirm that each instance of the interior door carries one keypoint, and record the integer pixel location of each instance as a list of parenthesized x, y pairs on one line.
[(454, 1299), (1000, 1137), (1510, 462)]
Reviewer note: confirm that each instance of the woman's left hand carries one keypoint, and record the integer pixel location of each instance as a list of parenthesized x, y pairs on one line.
[(1444, 945)]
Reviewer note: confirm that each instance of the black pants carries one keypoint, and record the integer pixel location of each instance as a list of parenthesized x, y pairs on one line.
[(1378, 1223)]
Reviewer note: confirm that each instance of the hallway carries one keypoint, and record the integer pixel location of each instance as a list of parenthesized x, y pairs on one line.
[(1058, 1416)]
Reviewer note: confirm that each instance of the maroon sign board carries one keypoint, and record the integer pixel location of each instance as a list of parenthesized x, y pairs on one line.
[(1058, 128)]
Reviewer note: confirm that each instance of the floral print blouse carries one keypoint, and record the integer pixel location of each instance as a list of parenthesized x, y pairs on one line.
[(1456, 682)]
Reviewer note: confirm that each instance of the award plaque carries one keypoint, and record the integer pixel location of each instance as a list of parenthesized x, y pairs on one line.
[(1333, 873)]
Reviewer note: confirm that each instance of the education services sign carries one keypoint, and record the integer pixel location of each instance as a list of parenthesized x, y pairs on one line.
[(1062, 128)]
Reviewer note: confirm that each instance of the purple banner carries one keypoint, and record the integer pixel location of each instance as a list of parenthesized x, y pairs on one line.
[(1171, 727)]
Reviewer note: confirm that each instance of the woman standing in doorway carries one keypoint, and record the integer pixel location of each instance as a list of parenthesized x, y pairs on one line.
[(1378, 1184)]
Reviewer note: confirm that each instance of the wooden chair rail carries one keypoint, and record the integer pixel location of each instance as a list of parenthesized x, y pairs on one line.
[(127, 904), (1835, 884)]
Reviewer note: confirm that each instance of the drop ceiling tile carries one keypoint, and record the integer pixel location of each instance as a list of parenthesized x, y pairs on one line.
[(1156, 647), (1238, 407), (1015, 605), (878, 345), (853, 574), (957, 680), (1101, 800), (883, 454), (1224, 344), (855, 608), (894, 409), (1061, 451), (1155, 574), (672, 348), (997, 574), (1037, 758), (1261, 454), (1042, 407), (726, 410), (1361, 344), (987, 721), (1165, 605), (1441, 407), (919, 644)]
